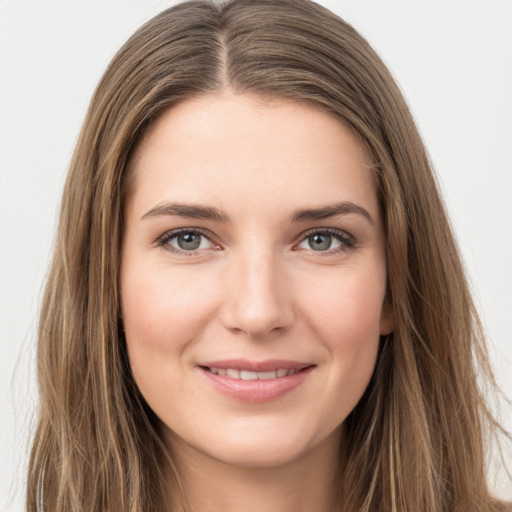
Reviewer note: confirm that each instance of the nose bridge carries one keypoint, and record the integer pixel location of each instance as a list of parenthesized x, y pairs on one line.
[(258, 300)]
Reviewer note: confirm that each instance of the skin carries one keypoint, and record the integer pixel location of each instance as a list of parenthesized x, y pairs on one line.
[(255, 289)]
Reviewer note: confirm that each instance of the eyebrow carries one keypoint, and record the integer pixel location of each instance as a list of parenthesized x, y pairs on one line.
[(191, 211), (324, 212), (195, 211)]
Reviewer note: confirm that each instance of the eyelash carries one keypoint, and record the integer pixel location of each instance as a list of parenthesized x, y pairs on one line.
[(347, 241), (164, 240)]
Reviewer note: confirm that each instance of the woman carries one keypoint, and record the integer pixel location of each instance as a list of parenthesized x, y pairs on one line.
[(256, 300)]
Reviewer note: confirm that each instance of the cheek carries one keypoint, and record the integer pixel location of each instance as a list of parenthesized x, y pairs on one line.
[(162, 310), (345, 316), (162, 315), (346, 307)]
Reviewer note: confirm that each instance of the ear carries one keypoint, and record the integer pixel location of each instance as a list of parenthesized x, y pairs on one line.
[(387, 319)]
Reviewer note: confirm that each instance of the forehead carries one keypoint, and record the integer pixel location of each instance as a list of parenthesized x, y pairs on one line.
[(235, 148)]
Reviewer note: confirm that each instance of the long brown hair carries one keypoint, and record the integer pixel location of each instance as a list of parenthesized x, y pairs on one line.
[(415, 441)]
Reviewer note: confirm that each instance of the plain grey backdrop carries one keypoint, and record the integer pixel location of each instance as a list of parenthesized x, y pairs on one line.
[(452, 59)]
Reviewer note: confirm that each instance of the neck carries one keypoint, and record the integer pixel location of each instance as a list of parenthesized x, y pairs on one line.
[(304, 484)]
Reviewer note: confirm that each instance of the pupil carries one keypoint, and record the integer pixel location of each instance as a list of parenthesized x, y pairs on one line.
[(320, 242), (189, 241)]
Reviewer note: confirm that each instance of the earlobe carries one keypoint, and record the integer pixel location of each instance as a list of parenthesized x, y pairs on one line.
[(387, 320)]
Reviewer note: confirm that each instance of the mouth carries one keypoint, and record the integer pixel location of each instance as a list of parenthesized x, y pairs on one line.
[(235, 373), (256, 382)]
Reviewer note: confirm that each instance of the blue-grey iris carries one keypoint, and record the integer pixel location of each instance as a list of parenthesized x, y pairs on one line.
[(320, 242), (189, 241)]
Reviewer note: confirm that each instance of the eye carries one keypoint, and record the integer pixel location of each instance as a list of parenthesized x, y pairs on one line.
[(186, 241), (326, 241)]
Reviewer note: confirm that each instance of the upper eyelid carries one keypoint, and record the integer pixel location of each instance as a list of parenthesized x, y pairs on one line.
[(168, 235), (331, 231), (173, 232)]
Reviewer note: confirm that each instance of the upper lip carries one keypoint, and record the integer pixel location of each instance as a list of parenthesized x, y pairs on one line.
[(256, 366)]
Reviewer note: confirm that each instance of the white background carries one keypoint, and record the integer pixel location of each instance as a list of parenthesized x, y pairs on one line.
[(453, 59)]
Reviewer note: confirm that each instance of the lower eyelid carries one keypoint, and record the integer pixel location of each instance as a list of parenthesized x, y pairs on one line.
[(163, 241), (341, 236), (346, 240)]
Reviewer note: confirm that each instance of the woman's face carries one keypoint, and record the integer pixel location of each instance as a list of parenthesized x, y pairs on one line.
[(253, 277)]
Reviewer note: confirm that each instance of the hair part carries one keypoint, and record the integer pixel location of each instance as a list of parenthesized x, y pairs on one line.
[(415, 441)]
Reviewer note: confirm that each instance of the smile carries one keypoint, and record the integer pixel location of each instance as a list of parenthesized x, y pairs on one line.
[(256, 382), (234, 373)]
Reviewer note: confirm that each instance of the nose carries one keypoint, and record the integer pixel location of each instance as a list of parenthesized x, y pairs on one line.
[(258, 298)]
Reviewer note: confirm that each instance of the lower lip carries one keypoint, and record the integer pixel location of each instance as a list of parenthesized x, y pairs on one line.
[(257, 391)]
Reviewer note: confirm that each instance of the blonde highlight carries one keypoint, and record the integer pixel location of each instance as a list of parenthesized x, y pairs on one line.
[(415, 441)]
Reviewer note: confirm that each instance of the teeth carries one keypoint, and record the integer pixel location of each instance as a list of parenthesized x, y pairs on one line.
[(248, 375), (245, 375), (234, 374)]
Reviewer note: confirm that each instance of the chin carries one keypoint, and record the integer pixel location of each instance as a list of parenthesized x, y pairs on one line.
[(263, 454), (259, 446)]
